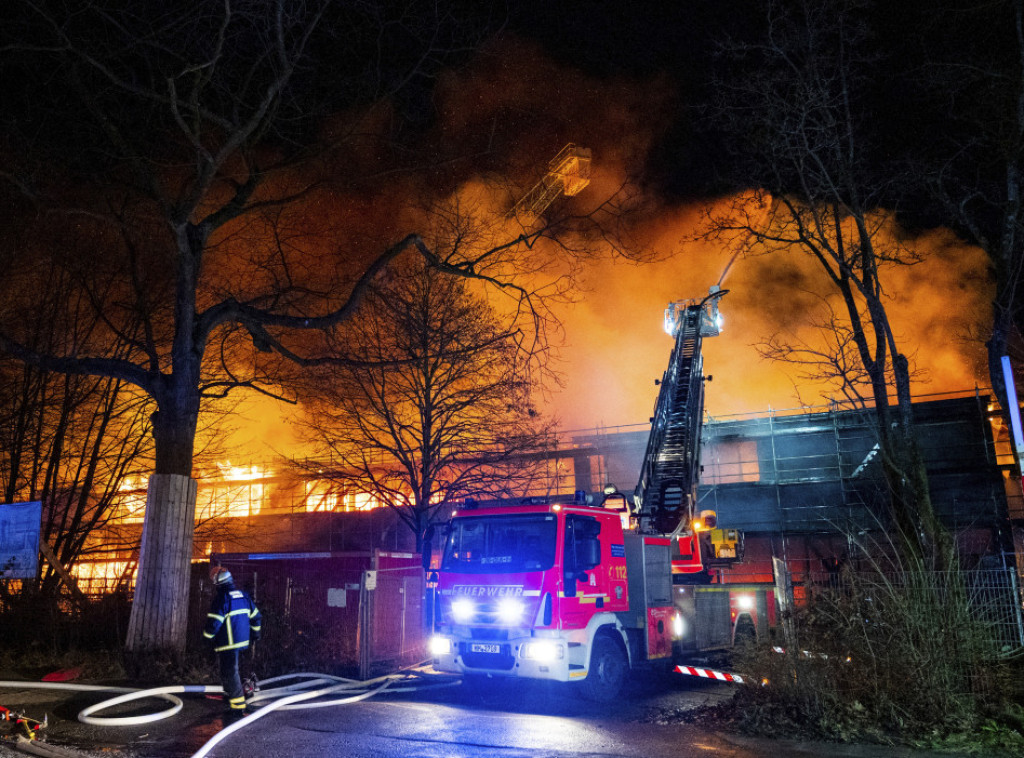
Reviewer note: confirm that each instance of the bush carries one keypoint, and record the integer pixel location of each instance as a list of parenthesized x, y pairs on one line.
[(39, 623), (905, 655)]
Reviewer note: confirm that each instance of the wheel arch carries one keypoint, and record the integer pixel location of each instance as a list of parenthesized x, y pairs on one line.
[(608, 625)]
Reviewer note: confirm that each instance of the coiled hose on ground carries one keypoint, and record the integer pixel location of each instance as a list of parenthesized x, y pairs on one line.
[(306, 690)]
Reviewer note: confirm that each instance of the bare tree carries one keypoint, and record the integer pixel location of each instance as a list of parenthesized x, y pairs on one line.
[(190, 147), (972, 82), (798, 117), (433, 403), (828, 360), (68, 441)]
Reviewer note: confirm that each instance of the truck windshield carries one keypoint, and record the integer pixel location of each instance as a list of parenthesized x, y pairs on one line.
[(500, 544)]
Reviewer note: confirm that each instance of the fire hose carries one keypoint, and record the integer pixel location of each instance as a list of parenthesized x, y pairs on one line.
[(306, 690)]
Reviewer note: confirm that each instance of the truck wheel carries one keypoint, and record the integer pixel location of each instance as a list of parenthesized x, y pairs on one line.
[(607, 671)]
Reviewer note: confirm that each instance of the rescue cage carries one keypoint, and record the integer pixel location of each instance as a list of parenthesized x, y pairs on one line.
[(333, 615)]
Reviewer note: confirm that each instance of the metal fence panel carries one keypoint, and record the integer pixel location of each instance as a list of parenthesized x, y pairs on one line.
[(329, 615), (987, 598), (310, 615), (393, 633)]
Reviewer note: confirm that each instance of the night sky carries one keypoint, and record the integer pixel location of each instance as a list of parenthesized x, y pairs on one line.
[(633, 82)]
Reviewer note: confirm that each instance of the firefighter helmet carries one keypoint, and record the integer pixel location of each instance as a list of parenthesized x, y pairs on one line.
[(220, 575)]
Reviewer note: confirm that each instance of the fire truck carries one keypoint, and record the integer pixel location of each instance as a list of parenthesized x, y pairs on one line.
[(583, 588)]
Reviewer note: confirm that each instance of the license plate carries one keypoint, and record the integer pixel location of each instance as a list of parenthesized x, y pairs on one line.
[(479, 647)]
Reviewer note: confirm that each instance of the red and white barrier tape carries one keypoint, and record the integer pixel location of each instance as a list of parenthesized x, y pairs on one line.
[(722, 676)]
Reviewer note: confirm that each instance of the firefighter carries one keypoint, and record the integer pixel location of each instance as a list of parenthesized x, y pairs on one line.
[(233, 621)]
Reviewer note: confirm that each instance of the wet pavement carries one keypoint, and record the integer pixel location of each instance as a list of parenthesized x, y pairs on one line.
[(510, 721)]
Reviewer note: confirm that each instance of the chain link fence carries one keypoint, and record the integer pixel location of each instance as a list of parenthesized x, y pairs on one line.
[(984, 602)]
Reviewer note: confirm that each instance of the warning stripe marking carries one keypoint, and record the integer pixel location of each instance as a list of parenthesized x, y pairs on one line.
[(722, 676)]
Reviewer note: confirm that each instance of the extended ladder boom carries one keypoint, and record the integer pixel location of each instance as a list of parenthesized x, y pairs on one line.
[(667, 490)]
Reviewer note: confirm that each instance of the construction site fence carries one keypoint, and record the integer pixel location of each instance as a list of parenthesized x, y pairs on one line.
[(987, 600), (356, 623)]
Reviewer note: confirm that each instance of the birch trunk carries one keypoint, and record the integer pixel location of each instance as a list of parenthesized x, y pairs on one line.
[(160, 608)]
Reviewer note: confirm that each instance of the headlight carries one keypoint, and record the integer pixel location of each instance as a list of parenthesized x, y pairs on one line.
[(510, 610), (463, 609), (745, 602), (542, 651), (440, 646)]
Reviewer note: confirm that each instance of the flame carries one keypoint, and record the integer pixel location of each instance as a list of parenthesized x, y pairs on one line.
[(241, 473), (239, 492), (322, 495), (100, 577), (131, 505)]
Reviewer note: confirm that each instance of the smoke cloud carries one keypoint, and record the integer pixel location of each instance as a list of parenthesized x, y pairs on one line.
[(514, 109)]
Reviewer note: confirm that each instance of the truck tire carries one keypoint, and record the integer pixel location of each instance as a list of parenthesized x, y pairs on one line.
[(607, 671)]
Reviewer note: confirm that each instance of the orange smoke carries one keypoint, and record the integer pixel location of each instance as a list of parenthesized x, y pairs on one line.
[(507, 115), (615, 347)]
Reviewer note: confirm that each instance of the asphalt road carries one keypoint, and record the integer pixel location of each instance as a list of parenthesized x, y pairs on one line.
[(511, 719), (524, 719), (504, 721)]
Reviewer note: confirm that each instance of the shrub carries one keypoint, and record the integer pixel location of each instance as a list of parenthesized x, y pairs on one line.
[(895, 655)]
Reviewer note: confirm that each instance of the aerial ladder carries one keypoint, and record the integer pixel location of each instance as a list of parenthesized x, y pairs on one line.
[(666, 494), (568, 174)]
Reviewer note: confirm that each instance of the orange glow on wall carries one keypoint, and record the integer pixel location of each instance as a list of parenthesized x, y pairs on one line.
[(730, 462)]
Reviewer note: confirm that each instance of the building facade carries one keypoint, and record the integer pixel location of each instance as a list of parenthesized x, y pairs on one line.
[(803, 485)]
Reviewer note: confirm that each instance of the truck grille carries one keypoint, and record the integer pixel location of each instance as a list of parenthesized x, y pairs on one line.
[(486, 613)]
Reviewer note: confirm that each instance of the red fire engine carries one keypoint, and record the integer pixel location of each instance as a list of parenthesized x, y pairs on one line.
[(574, 590)]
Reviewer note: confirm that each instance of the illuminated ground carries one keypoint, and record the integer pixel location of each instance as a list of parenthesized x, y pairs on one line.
[(503, 722)]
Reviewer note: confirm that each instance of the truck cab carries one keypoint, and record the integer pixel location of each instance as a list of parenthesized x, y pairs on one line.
[(556, 591)]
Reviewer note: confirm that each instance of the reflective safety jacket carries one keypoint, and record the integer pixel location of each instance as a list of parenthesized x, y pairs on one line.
[(233, 620)]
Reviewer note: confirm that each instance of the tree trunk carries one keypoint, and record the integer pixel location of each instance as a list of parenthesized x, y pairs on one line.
[(160, 609), (997, 347), (920, 532)]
